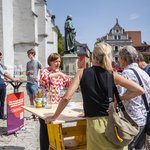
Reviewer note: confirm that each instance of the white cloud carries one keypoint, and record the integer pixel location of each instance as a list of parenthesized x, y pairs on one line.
[(134, 16)]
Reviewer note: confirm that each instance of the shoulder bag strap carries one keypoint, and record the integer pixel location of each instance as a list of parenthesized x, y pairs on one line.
[(119, 102), (140, 82)]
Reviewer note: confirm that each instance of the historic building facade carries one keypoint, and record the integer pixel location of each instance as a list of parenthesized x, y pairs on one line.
[(25, 24), (117, 38)]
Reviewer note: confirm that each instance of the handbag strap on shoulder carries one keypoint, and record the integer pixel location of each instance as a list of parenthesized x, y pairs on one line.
[(140, 82)]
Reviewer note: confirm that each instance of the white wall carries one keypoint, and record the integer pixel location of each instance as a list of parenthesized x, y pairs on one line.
[(7, 28), (24, 21), (52, 41), (42, 50), (1, 28), (25, 30), (40, 9), (55, 40), (25, 24)]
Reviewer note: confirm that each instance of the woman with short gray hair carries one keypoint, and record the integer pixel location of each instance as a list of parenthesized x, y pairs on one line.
[(135, 107), (129, 53)]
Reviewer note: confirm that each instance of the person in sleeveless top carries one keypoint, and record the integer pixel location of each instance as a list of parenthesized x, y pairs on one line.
[(95, 99)]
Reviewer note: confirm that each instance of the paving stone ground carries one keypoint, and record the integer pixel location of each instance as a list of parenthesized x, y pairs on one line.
[(28, 137)]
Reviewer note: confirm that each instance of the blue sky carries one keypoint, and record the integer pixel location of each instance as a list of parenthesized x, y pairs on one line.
[(94, 18)]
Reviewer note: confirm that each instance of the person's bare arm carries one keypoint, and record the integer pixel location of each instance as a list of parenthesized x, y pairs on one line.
[(8, 76), (133, 89), (68, 95)]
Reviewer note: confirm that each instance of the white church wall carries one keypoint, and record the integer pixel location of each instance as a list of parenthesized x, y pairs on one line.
[(24, 22), (40, 9), (52, 40), (1, 28), (25, 30), (7, 34)]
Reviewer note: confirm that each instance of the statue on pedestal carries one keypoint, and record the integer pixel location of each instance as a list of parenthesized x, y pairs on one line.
[(69, 36)]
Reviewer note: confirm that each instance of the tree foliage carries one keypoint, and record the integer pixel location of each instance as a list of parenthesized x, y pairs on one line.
[(146, 58), (60, 43), (60, 46)]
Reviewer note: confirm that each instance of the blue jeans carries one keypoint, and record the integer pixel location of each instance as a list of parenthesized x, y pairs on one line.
[(32, 89), (2, 99)]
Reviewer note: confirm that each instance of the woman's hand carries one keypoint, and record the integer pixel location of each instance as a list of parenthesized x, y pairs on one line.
[(49, 119), (30, 72), (62, 75), (82, 115)]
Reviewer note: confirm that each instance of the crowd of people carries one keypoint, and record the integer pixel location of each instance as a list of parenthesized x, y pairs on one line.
[(94, 92)]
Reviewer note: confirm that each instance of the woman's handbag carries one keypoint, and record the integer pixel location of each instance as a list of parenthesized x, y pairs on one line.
[(121, 129)]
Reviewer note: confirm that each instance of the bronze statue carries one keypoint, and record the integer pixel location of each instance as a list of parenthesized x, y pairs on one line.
[(69, 36)]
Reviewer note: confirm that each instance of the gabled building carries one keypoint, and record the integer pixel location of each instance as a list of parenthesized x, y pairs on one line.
[(117, 38)]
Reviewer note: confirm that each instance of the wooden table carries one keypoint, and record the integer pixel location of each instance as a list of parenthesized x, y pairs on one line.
[(68, 132)]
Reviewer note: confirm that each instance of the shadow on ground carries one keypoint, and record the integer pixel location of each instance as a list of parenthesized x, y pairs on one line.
[(12, 148), (3, 131)]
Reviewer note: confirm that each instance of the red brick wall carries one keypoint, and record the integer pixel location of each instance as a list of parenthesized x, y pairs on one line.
[(135, 36), (82, 62)]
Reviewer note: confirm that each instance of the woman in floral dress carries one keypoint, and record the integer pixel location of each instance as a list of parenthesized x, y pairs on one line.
[(52, 80)]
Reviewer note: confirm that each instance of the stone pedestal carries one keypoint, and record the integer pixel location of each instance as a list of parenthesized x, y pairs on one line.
[(70, 64)]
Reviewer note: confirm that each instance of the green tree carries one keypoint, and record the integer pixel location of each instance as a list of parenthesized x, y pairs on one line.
[(60, 45), (146, 57)]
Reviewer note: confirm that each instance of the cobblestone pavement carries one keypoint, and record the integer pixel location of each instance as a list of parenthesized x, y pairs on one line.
[(28, 137)]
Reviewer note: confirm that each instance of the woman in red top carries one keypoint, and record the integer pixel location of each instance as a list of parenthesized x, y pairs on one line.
[(52, 80)]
